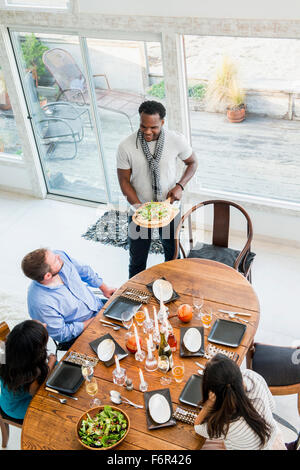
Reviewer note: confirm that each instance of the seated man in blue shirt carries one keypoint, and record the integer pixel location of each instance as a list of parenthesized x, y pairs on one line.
[(59, 295)]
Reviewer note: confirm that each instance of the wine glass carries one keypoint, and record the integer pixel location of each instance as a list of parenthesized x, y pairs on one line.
[(198, 300), (91, 387), (87, 370), (164, 365), (127, 320)]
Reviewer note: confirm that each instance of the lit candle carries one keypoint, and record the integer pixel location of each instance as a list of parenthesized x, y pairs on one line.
[(141, 377), (155, 321), (117, 363), (137, 339), (147, 315)]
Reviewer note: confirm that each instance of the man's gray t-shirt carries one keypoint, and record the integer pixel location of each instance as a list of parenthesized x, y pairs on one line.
[(131, 156)]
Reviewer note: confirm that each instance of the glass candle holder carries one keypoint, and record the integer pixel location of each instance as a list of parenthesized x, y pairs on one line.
[(140, 355), (151, 363), (119, 376), (148, 326), (143, 386)]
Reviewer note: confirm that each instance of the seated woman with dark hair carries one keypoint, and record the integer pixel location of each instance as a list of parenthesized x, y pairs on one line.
[(26, 367), (237, 408)]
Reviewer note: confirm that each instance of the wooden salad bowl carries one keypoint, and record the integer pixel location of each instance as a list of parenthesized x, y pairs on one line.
[(92, 412)]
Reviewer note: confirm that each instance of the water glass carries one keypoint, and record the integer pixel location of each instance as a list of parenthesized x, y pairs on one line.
[(178, 372), (206, 316), (198, 300), (140, 317)]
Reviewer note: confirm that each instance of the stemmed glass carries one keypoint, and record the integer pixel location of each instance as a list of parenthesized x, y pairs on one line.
[(127, 320), (87, 370), (91, 387), (164, 365), (198, 300)]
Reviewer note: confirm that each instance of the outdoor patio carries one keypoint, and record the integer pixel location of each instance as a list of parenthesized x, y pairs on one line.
[(259, 156)]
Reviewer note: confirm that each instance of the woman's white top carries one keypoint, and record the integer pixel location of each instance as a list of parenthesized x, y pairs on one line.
[(240, 436)]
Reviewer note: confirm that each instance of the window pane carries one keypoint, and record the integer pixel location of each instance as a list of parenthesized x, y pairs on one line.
[(124, 82), (52, 73), (9, 138), (260, 155)]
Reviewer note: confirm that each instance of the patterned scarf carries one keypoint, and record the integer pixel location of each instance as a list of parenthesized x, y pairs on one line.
[(153, 161)]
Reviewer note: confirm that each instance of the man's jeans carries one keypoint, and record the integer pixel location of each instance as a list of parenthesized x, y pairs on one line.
[(139, 240)]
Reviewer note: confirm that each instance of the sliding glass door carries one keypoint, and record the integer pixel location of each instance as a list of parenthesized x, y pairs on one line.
[(83, 96)]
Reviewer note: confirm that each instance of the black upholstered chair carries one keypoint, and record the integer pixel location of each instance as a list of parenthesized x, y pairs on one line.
[(280, 367), (218, 250)]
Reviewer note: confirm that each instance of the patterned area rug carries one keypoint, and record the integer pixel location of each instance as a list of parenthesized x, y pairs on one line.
[(112, 229)]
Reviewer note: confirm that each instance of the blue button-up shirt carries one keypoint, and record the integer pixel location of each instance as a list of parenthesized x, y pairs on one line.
[(64, 308)]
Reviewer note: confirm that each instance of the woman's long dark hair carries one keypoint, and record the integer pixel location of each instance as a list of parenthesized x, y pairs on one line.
[(223, 377), (25, 356)]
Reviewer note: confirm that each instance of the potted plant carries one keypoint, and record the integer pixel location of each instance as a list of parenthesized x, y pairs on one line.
[(33, 50), (223, 94), (236, 103)]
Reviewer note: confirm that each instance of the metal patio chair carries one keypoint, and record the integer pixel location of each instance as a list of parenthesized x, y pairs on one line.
[(73, 87), (218, 250), (56, 123)]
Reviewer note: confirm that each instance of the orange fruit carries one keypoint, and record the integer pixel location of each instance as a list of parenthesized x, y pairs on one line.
[(131, 344), (185, 313)]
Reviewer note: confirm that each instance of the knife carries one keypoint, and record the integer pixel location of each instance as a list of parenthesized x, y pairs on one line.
[(56, 391), (113, 324), (235, 313)]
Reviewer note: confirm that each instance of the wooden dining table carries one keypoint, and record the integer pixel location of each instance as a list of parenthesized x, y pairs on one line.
[(48, 424)]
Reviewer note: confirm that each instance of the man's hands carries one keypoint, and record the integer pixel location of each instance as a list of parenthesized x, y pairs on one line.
[(175, 193), (107, 291)]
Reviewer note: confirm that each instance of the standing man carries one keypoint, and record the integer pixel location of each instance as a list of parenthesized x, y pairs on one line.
[(146, 163)]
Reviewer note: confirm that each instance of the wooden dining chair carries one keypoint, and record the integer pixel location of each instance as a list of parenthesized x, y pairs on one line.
[(278, 365), (218, 250), (5, 420)]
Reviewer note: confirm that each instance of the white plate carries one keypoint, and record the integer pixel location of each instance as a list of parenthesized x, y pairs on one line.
[(192, 340), (106, 349), (159, 408), (167, 289)]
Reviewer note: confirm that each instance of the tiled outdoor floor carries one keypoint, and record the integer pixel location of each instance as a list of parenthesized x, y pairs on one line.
[(28, 223)]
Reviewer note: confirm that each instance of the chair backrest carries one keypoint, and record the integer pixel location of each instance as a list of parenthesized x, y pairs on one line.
[(64, 69), (221, 225)]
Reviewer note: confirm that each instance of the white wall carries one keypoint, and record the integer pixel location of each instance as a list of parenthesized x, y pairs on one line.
[(255, 9)]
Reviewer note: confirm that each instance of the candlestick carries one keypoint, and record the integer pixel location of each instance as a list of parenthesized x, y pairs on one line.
[(152, 345), (143, 384), (156, 335), (151, 361), (139, 355), (147, 314), (117, 363)]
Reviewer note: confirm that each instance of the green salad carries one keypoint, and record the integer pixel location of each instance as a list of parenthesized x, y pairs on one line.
[(105, 429)]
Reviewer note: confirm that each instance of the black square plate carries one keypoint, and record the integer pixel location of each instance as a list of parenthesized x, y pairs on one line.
[(226, 332), (66, 377), (119, 351), (174, 295), (185, 352), (192, 391), (150, 423), (119, 305)]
